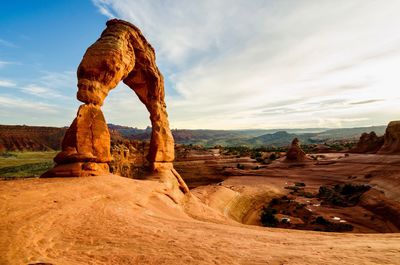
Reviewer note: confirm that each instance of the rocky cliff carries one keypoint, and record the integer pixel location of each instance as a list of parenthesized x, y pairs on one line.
[(30, 138), (369, 143)]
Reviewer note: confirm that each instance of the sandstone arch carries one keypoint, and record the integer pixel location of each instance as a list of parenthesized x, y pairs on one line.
[(120, 54)]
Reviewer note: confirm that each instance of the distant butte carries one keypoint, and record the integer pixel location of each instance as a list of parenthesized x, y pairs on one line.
[(295, 153)]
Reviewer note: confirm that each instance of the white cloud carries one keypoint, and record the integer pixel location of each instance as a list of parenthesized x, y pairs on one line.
[(41, 91), (4, 63), (52, 85), (48, 100), (100, 4), (7, 83), (230, 60), (11, 102), (65, 79), (17, 110)]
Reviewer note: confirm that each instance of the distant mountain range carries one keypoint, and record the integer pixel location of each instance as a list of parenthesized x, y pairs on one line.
[(38, 138), (276, 137)]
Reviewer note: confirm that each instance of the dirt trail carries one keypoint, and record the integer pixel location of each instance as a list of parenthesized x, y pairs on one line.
[(114, 220)]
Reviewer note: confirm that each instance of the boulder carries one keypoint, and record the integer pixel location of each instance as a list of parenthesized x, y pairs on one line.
[(369, 143)]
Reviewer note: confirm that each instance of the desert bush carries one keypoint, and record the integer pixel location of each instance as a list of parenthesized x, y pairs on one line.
[(321, 220), (268, 217), (344, 195), (27, 170), (6, 155), (259, 159), (239, 166), (308, 195), (299, 184), (293, 188)]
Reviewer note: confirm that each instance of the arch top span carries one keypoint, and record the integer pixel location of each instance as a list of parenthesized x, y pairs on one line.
[(120, 54)]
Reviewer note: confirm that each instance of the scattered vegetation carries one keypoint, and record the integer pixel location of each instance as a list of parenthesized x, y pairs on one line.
[(299, 184), (25, 164), (27, 170), (329, 226), (298, 190), (343, 195), (281, 212), (268, 217), (7, 155), (254, 153), (240, 166)]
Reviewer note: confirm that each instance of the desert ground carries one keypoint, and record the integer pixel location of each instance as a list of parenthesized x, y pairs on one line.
[(114, 220)]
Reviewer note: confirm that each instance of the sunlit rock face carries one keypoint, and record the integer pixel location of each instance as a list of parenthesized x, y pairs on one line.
[(391, 139), (120, 54)]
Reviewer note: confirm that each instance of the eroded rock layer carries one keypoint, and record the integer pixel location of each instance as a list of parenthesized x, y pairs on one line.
[(120, 54)]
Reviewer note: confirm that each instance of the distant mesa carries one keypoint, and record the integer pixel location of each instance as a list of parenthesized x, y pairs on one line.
[(30, 138), (295, 153), (369, 143), (120, 54), (391, 139), (389, 143)]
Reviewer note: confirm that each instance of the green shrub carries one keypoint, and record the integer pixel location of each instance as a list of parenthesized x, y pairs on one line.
[(268, 217), (273, 156), (299, 184), (308, 195), (240, 166), (344, 195), (259, 159), (27, 170), (321, 220), (6, 155)]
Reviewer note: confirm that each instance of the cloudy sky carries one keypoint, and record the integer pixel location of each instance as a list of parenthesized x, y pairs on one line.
[(228, 64)]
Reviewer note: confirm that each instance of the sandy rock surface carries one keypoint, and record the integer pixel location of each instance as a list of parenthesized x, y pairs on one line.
[(115, 220)]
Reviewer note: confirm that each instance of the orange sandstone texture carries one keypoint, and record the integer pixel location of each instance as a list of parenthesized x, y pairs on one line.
[(295, 153), (121, 53)]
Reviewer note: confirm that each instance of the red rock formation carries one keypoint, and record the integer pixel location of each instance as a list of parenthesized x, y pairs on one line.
[(391, 139), (121, 54), (295, 153), (369, 143)]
